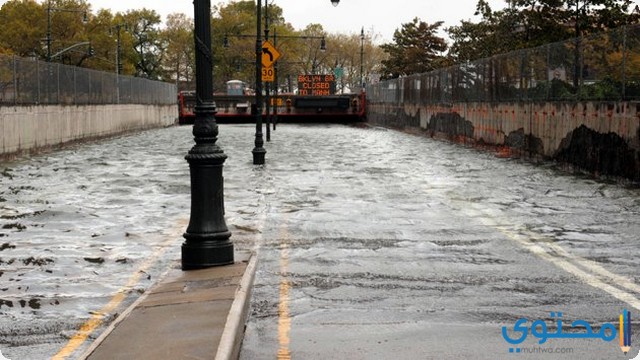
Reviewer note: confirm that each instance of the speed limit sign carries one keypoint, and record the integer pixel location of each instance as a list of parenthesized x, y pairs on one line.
[(268, 74)]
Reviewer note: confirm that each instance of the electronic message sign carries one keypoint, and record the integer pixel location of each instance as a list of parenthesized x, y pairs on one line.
[(316, 85)]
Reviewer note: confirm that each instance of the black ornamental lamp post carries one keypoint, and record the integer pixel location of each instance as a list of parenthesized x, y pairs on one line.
[(207, 237), (259, 151), (267, 85)]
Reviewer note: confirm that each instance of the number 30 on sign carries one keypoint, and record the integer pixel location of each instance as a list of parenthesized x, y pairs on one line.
[(268, 75)]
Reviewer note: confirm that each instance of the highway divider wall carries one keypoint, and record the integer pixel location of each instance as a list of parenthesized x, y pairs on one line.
[(25, 129), (602, 138)]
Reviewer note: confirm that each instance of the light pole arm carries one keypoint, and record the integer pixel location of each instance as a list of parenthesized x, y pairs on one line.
[(70, 48), (49, 10)]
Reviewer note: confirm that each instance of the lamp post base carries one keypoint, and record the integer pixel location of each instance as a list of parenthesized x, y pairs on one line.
[(203, 254), (258, 156)]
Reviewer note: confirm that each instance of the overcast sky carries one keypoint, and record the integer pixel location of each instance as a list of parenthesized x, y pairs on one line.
[(380, 16)]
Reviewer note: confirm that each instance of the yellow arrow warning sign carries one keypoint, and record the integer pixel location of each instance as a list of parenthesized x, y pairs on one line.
[(269, 54)]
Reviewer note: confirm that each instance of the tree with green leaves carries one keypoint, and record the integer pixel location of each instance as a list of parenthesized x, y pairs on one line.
[(531, 23), (235, 22), (416, 49), (148, 45), (179, 59), (23, 25)]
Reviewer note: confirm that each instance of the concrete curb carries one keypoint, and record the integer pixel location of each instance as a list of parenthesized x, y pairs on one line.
[(233, 333)]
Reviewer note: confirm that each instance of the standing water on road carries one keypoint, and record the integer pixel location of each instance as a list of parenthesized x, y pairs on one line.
[(372, 244), (79, 226), (376, 244)]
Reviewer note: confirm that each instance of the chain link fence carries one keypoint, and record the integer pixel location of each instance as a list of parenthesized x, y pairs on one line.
[(33, 82), (600, 67)]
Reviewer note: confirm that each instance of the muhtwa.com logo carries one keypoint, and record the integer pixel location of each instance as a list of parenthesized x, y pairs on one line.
[(579, 329), (625, 331)]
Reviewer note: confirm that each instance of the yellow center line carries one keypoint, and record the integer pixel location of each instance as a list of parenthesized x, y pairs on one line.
[(284, 318), (97, 318)]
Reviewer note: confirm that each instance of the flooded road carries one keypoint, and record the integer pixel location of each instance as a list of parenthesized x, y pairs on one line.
[(382, 245), (86, 230), (372, 244)]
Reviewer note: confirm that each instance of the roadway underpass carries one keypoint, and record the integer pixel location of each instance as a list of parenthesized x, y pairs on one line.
[(371, 243)]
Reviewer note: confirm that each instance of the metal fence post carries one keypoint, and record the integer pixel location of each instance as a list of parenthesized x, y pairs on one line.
[(58, 83), (546, 73), (15, 81), (522, 93), (624, 62), (75, 87), (38, 80)]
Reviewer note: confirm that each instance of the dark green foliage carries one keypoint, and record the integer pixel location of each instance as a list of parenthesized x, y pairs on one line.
[(416, 49)]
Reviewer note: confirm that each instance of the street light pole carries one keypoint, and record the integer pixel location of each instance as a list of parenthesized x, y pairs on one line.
[(267, 85), (636, 11), (275, 85), (207, 237), (48, 37), (361, 58), (258, 151), (576, 66), (117, 28)]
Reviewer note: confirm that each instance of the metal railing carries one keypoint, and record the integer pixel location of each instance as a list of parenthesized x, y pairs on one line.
[(607, 68), (33, 82)]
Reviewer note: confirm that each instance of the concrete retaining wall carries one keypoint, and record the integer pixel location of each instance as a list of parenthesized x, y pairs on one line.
[(600, 137), (25, 129)]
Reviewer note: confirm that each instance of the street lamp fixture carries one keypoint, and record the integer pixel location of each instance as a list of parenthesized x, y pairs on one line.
[(207, 237), (85, 19), (335, 2)]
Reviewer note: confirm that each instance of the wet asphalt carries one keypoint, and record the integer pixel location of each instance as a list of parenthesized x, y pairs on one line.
[(381, 245), (372, 244)]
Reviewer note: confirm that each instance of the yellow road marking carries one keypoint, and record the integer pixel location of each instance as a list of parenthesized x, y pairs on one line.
[(97, 318), (284, 318)]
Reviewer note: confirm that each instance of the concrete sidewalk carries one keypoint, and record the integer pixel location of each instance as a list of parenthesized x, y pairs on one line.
[(198, 314)]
